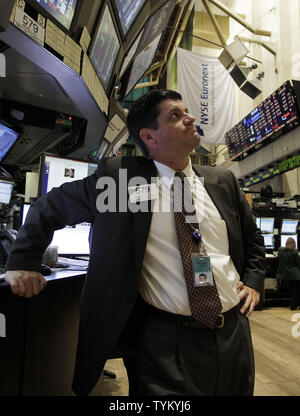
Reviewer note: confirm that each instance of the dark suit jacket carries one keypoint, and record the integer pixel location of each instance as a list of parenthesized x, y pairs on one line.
[(118, 245)]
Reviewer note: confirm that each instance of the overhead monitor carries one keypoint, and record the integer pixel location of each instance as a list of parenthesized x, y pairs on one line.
[(274, 114), (141, 64), (156, 24), (71, 240), (105, 47), (61, 10), (268, 241), (284, 237), (267, 225), (289, 226), (127, 12), (8, 137), (130, 54), (6, 188)]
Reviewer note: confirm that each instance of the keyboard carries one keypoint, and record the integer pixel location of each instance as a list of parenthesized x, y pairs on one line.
[(71, 264)]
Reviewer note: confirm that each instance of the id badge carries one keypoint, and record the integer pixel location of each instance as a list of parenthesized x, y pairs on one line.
[(202, 272)]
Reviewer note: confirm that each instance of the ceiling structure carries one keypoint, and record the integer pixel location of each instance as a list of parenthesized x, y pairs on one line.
[(32, 69)]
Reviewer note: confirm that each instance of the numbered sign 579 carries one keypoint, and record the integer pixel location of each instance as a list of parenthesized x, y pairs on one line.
[(29, 26)]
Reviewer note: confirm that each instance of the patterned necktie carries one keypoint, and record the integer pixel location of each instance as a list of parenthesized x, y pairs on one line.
[(204, 301)]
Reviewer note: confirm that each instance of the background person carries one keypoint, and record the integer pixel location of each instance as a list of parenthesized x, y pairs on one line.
[(289, 269)]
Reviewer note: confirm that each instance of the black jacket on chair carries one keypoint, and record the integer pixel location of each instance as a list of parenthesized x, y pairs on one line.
[(117, 251)]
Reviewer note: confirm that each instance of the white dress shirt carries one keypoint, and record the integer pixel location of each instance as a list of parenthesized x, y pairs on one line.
[(162, 283)]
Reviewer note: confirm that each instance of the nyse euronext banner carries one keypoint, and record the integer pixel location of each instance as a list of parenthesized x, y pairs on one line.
[(208, 92)]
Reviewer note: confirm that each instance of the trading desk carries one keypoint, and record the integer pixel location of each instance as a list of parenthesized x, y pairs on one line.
[(37, 354), (276, 291)]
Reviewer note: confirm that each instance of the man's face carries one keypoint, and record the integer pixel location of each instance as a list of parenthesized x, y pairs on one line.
[(176, 133)]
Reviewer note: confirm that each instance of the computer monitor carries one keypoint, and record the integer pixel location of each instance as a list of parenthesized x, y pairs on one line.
[(267, 225), (61, 10), (289, 226), (6, 188), (284, 237), (127, 12), (7, 138), (268, 241), (257, 222), (105, 47), (54, 171), (141, 64)]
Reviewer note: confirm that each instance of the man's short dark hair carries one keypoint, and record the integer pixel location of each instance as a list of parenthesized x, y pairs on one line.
[(144, 113)]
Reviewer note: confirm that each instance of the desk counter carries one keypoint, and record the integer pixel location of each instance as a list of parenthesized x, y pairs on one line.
[(39, 337)]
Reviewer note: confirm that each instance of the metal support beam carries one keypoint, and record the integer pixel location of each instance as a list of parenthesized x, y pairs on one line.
[(215, 23), (239, 19), (269, 46)]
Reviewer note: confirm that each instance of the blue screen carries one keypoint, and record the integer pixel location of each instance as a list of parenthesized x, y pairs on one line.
[(7, 139), (127, 11)]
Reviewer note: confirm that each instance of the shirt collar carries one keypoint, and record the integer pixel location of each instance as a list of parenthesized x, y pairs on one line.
[(166, 171)]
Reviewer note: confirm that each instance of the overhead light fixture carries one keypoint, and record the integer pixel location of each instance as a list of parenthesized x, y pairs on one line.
[(239, 75), (233, 54), (251, 88)]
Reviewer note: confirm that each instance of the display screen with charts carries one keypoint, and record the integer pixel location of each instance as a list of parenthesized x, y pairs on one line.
[(128, 11), (105, 48), (268, 241), (7, 139), (71, 240), (289, 226), (6, 188), (61, 10)]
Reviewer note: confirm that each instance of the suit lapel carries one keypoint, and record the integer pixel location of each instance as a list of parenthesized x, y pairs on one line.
[(142, 220)]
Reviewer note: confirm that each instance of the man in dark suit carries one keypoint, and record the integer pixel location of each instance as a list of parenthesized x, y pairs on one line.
[(136, 282)]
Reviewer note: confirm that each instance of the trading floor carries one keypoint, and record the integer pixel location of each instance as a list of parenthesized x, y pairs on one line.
[(277, 355)]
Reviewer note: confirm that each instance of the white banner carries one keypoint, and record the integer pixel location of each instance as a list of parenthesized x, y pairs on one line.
[(208, 92)]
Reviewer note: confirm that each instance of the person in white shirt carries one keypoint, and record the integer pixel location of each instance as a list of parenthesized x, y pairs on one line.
[(175, 354)]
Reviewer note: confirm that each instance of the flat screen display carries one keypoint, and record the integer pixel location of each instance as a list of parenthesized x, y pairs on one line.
[(6, 189), (267, 225), (268, 240), (7, 139), (289, 226), (156, 24), (284, 237), (141, 63), (272, 115), (130, 54), (61, 10), (257, 222), (71, 240), (105, 48), (127, 11)]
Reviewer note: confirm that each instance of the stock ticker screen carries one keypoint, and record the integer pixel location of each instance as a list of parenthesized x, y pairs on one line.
[(272, 115)]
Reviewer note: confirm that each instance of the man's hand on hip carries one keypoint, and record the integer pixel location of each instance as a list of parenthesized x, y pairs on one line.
[(249, 297)]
